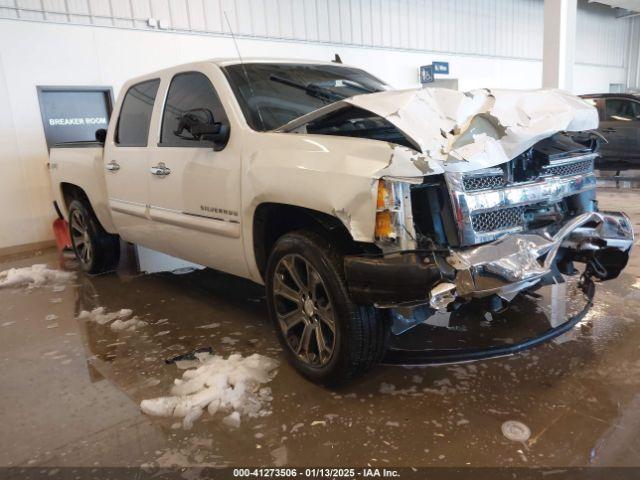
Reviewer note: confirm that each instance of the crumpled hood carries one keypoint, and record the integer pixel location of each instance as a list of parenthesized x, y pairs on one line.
[(465, 131)]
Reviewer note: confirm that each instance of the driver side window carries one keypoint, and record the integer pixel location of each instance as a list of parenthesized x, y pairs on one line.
[(191, 103), (622, 110)]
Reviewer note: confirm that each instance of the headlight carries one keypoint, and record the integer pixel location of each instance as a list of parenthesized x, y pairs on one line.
[(394, 222)]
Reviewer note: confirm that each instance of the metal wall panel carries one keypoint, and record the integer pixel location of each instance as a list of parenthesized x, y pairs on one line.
[(494, 28)]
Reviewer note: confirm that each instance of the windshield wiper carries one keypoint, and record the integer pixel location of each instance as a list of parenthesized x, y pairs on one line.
[(357, 86), (311, 89)]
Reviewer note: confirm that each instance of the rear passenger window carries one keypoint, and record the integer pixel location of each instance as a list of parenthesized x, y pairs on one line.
[(135, 114), (191, 101)]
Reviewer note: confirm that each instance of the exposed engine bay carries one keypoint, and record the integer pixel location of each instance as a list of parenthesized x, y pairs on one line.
[(455, 232), (502, 230)]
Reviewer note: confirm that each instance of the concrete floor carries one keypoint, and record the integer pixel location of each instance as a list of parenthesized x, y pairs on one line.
[(70, 390)]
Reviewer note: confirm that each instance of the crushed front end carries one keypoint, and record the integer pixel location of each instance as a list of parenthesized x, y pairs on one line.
[(493, 232)]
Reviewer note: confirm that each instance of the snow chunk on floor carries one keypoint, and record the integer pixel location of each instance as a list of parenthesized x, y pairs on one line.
[(129, 325), (232, 384), (232, 420), (33, 276), (209, 326), (119, 320)]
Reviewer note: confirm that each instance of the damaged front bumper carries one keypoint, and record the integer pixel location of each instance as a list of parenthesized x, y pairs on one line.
[(504, 267), (515, 262)]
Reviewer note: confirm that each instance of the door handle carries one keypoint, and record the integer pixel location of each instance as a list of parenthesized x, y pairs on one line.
[(113, 166), (608, 130), (160, 170)]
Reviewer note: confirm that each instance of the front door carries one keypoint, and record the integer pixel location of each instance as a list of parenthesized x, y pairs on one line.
[(621, 127), (195, 183), (126, 162)]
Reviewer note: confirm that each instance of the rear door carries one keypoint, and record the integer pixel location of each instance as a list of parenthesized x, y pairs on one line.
[(620, 126), (126, 163), (195, 186)]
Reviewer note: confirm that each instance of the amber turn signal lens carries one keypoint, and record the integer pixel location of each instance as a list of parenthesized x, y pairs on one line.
[(383, 195), (384, 229)]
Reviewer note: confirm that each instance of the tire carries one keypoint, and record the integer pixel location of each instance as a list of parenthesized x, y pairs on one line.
[(359, 335), (96, 250)]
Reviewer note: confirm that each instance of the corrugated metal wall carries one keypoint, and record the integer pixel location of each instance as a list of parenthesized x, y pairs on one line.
[(497, 28)]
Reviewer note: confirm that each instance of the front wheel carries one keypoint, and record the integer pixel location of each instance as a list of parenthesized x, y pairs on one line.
[(326, 337), (97, 250)]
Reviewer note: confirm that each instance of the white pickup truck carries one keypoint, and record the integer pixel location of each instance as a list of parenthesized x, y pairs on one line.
[(348, 200)]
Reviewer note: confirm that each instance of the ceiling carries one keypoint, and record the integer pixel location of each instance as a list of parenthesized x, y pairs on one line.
[(632, 5)]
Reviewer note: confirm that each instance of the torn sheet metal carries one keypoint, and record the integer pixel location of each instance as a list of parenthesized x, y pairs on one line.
[(466, 131), (516, 262)]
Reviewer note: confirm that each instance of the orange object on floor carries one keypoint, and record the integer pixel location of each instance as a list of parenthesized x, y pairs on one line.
[(61, 232)]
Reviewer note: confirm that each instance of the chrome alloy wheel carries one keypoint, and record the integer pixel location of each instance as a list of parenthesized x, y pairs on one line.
[(304, 310), (80, 237)]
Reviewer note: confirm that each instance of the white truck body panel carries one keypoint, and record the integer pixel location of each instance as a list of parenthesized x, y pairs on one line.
[(203, 211), (82, 167)]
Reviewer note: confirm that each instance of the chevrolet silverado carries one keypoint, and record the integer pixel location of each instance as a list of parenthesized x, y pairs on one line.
[(348, 200)]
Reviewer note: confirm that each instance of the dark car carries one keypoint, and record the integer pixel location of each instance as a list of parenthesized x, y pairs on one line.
[(620, 125)]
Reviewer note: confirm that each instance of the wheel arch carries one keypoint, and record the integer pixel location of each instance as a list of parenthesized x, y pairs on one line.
[(70, 192), (273, 220)]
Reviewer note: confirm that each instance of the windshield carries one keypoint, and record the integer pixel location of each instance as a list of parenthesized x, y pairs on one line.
[(271, 95)]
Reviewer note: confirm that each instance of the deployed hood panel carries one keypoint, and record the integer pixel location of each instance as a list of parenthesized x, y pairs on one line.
[(465, 131)]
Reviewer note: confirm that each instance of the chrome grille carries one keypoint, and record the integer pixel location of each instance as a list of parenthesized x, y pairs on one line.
[(497, 219), (486, 213), (484, 182), (575, 168)]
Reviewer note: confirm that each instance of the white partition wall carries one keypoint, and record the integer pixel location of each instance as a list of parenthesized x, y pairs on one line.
[(488, 43)]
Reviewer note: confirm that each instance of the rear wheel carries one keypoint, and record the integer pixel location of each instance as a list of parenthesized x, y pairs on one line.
[(326, 337), (96, 250)]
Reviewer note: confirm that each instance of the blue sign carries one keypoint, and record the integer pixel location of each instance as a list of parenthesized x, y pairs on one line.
[(426, 74), (441, 67)]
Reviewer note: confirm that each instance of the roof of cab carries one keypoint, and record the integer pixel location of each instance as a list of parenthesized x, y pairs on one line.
[(224, 62)]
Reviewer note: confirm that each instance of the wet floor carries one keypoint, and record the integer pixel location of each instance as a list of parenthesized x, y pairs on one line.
[(70, 389)]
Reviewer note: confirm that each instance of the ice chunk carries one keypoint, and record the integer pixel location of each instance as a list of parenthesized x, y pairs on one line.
[(191, 416), (101, 317), (232, 420), (213, 407), (208, 326), (296, 427), (33, 276), (128, 325), (232, 384), (159, 407)]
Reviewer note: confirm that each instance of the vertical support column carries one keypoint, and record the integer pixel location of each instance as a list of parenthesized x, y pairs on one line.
[(559, 43), (633, 54)]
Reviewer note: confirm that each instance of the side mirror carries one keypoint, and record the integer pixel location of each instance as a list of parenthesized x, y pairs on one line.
[(200, 124), (219, 137), (101, 135)]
